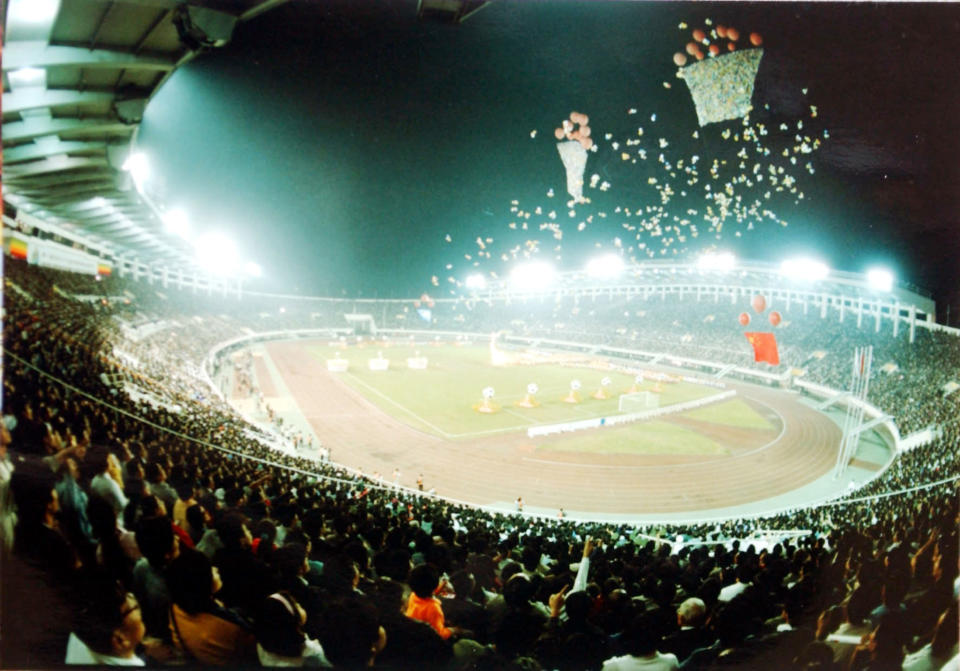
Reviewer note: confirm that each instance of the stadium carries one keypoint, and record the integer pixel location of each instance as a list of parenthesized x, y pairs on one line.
[(494, 388)]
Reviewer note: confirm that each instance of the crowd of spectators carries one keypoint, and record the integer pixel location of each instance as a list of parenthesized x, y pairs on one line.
[(158, 527)]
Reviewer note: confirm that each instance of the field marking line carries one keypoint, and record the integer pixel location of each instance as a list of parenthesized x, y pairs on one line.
[(401, 407)]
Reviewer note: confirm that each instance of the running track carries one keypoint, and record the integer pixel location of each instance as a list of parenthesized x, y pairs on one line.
[(497, 469)]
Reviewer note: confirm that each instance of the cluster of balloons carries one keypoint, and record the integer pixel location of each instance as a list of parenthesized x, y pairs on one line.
[(424, 300), (759, 304), (575, 128), (711, 40)]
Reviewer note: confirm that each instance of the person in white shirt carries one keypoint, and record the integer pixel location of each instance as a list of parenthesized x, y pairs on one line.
[(108, 631), (641, 639), (104, 484)]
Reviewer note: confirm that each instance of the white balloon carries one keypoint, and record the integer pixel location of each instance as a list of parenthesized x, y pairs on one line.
[(532, 388), (487, 392)]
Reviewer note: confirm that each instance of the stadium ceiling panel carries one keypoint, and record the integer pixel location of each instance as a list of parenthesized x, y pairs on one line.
[(77, 75)]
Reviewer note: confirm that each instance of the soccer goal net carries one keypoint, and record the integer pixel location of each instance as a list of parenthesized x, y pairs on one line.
[(638, 401)]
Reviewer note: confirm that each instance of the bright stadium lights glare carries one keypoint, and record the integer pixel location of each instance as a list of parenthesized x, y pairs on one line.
[(606, 267), (138, 167), (721, 261), (25, 77), (34, 11), (216, 253), (477, 282), (880, 279), (806, 269), (532, 275), (253, 269), (176, 222)]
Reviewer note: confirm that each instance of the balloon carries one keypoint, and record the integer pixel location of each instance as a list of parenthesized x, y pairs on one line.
[(586, 142), (733, 34), (775, 318), (584, 119), (576, 117), (698, 35), (721, 30), (714, 50), (679, 59), (759, 303), (744, 319), (584, 131), (699, 55), (731, 46), (558, 133), (692, 48), (756, 39)]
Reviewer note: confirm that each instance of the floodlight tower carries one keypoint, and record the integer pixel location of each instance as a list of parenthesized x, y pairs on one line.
[(853, 424)]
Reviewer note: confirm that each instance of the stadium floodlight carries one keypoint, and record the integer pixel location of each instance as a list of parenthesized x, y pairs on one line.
[(532, 276), (477, 282), (176, 222), (253, 269), (34, 11), (804, 268), (880, 279), (138, 167), (721, 261), (24, 77), (606, 267), (216, 253)]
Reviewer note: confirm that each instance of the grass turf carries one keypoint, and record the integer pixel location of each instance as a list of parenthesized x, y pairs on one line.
[(735, 412), (651, 437), (440, 400)]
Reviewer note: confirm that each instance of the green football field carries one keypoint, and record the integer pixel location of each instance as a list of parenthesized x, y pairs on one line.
[(441, 399)]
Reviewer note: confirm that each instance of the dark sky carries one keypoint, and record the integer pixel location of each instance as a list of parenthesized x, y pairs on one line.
[(341, 141)]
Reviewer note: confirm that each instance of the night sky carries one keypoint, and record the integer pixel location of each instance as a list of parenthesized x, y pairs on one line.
[(340, 142)]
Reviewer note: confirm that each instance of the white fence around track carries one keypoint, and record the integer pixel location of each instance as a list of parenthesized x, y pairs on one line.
[(626, 418)]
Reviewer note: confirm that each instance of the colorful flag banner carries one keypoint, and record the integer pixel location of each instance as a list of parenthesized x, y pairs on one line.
[(764, 347)]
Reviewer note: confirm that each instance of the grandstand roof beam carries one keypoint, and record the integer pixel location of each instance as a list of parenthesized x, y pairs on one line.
[(36, 98), (38, 54), (32, 128), (33, 151), (54, 164), (70, 194)]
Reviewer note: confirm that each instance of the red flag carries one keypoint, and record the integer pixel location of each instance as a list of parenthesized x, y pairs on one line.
[(764, 347)]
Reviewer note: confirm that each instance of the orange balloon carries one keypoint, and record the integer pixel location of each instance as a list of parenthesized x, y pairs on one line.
[(721, 30), (756, 39), (558, 132), (731, 46), (775, 318), (759, 303), (699, 55), (586, 142), (692, 48), (733, 34), (584, 131), (698, 35), (744, 319), (714, 50), (679, 59), (576, 117)]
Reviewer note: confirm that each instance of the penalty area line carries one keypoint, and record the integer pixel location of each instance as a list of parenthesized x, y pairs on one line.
[(401, 407)]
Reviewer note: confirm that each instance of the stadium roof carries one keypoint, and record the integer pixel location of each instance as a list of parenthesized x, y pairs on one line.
[(77, 76)]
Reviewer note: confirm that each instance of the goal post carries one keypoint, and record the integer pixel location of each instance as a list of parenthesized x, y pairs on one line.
[(638, 401)]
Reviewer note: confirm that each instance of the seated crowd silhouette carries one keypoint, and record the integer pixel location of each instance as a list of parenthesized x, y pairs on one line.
[(159, 528)]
